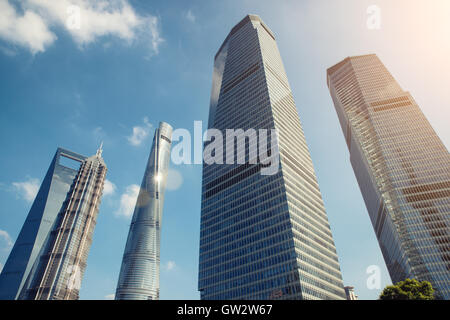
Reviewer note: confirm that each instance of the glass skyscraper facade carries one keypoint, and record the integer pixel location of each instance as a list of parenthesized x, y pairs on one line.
[(262, 236), (139, 274), (402, 168), (49, 256)]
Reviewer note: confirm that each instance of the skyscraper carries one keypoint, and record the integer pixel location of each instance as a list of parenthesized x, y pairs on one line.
[(139, 274), (402, 168), (350, 293), (49, 257), (263, 236)]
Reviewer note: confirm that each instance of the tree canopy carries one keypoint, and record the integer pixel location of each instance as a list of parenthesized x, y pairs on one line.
[(410, 289)]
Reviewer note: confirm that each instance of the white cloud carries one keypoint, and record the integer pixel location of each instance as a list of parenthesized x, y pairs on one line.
[(84, 20), (170, 265), (140, 133), (174, 180), (156, 39), (128, 201), (109, 188), (98, 132), (1, 267), (190, 16), (27, 189), (28, 30), (110, 296), (7, 238)]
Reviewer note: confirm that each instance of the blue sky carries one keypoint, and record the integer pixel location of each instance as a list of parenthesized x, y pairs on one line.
[(135, 63)]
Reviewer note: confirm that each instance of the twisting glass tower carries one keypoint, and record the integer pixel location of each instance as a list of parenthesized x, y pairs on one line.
[(139, 274), (263, 236), (49, 257), (402, 167)]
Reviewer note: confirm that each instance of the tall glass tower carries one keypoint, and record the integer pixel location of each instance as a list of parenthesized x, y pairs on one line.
[(49, 256), (139, 274), (402, 167), (262, 236)]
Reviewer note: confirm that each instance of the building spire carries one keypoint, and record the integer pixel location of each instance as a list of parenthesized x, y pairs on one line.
[(100, 150)]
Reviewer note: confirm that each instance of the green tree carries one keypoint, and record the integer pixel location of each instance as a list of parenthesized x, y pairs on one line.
[(410, 289)]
